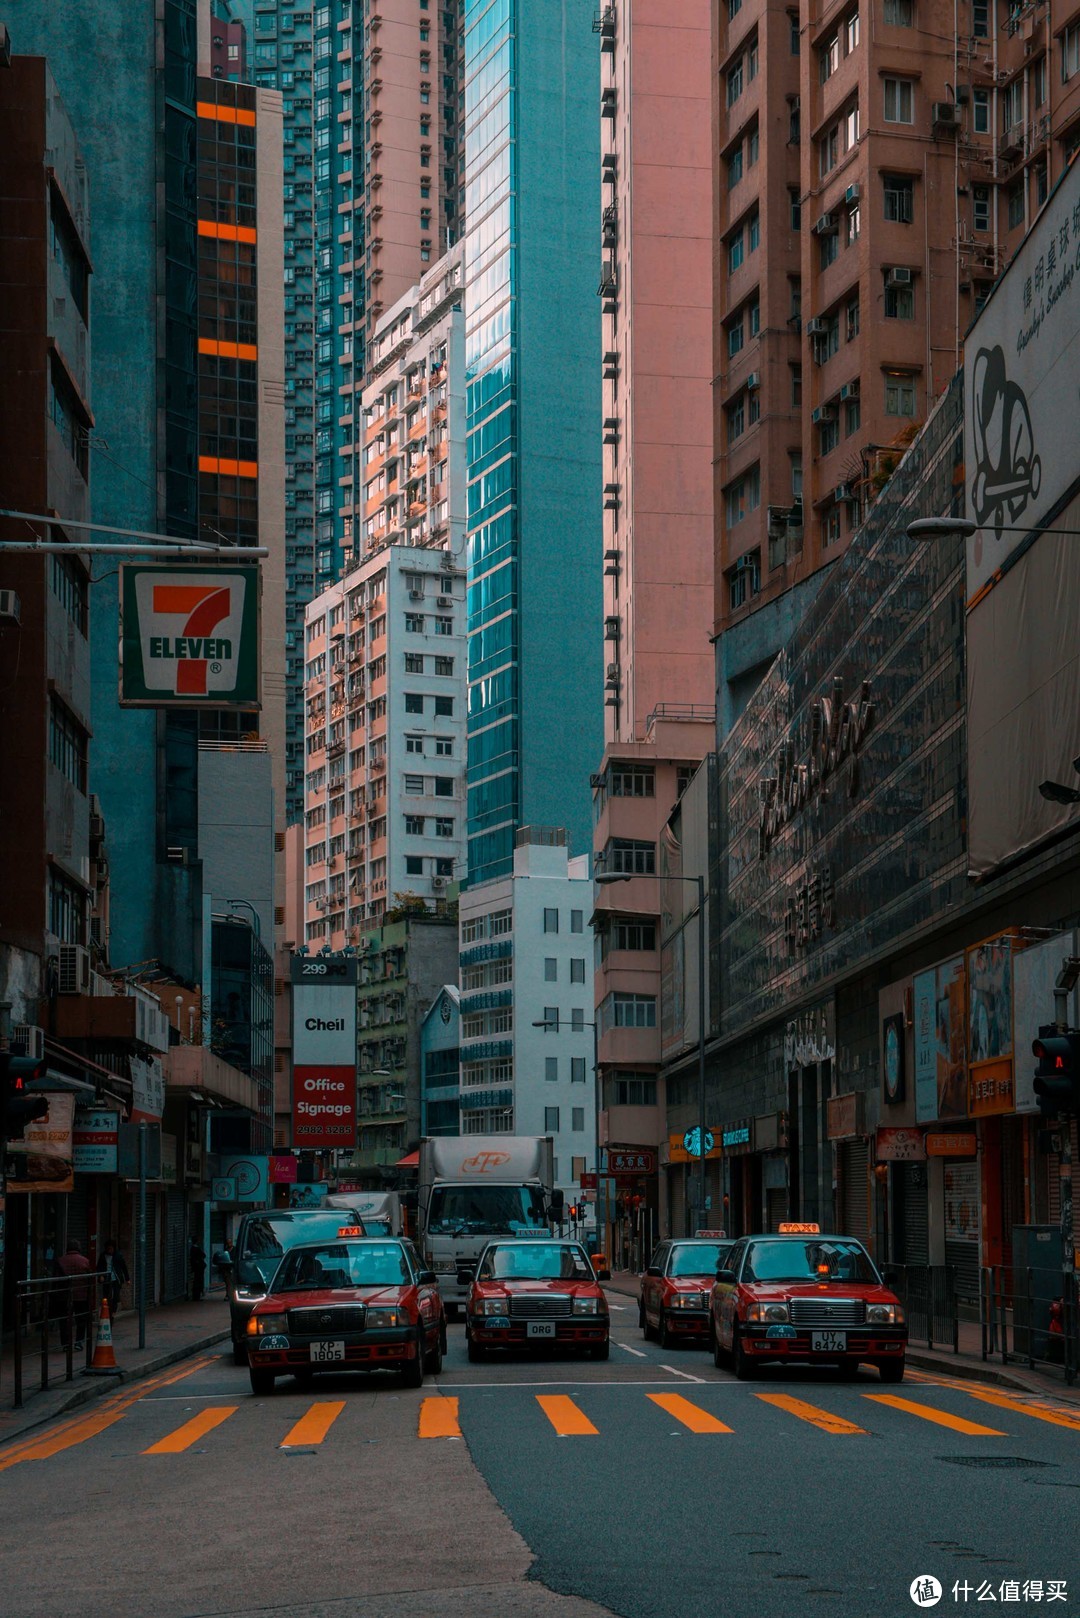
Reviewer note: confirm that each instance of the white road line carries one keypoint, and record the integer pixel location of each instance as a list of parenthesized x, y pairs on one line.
[(684, 1374), (640, 1352), (621, 1307)]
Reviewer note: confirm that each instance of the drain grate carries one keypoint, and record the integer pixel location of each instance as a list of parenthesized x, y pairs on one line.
[(994, 1462)]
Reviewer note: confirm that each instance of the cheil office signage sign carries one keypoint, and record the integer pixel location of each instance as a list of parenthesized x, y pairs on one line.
[(189, 637), (324, 1054)]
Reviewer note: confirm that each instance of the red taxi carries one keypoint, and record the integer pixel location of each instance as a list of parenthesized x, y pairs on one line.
[(534, 1293), (675, 1289), (351, 1304), (799, 1295)]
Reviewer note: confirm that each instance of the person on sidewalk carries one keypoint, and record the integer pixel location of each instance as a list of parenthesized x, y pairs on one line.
[(117, 1275), (197, 1266), (74, 1263)]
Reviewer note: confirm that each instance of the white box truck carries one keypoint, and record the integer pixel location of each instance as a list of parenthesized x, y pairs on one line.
[(380, 1211), (474, 1187)]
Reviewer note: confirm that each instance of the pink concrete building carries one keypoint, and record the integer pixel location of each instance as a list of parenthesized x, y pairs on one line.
[(876, 165), (658, 516)]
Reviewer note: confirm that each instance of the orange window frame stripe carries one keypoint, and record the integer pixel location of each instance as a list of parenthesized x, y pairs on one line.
[(228, 351), (228, 469), (226, 233), (225, 115)]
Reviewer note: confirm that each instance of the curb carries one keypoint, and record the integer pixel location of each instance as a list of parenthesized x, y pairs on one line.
[(83, 1392)]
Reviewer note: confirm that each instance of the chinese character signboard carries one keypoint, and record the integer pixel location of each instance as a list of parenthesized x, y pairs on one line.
[(94, 1137), (189, 637), (629, 1163), (900, 1145)]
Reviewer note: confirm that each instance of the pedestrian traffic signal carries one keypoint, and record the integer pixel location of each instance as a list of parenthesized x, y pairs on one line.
[(20, 1106), (1057, 1076)]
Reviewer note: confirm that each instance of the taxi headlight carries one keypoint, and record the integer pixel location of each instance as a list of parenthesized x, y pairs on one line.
[(884, 1314), (261, 1324), (381, 1319), (586, 1306), (688, 1300), (493, 1306), (767, 1314)]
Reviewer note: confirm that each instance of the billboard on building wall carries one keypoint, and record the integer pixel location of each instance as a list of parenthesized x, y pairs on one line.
[(939, 1040), (324, 1052), (1022, 359), (1034, 972), (46, 1150), (189, 636)]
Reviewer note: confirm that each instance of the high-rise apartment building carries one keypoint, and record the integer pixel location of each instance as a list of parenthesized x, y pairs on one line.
[(875, 168), (371, 195), (385, 803), (656, 300), (532, 183)]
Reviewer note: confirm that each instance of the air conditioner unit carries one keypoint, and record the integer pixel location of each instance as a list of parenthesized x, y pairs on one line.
[(416, 595), (74, 970), (444, 601), (842, 492), (823, 413), (10, 606), (826, 225), (945, 114), (753, 381), (28, 1040), (850, 390), (851, 195), (816, 327), (898, 277), (438, 883)]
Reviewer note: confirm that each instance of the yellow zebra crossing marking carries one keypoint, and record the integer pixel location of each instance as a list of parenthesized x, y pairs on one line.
[(438, 1418), (811, 1413), (564, 1415), (941, 1417), (1059, 1418), (313, 1427), (176, 1442), (690, 1415)]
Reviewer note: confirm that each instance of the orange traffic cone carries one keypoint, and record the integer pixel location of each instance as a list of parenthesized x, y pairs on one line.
[(104, 1360)]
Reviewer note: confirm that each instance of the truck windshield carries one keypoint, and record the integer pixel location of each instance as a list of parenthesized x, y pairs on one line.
[(485, 1210)]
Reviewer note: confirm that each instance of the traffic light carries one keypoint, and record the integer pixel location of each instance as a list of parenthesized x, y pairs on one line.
[(1057, 1077), (573, 1212), (20, 1106)]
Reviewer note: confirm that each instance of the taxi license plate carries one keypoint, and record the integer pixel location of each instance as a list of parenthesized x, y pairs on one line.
[(540, 1328), (828, 1342), (326, 1353)]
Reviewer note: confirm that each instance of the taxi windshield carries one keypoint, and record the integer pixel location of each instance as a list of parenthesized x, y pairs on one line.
[(539, 1261), (813, 1260), (701, 1258), (342, 1264)]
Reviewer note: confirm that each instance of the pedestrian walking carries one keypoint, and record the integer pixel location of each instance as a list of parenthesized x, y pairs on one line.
[(116, 1273), (197, 1266), (72, 1264)]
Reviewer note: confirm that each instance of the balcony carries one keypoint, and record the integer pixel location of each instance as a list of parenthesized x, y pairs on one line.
[(193, 1068), (104, 1017)]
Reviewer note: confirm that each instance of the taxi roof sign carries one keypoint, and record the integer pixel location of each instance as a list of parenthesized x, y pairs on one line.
[(351, 1230), (792, 1229)]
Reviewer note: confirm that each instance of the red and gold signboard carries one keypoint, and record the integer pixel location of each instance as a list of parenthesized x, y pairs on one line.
[(629, 1163), (941, 1143), (900, 1145), (991, 1088)]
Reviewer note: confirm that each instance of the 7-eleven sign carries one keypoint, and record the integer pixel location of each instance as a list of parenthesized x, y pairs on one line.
[(189, 637)]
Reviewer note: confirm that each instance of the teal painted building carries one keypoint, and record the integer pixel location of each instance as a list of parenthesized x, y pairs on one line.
[(533, 412)]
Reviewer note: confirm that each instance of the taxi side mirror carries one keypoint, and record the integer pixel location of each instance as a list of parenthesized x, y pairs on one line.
[(603, 1275), (428, 1278), (890, 1276), (653, 1269), (726, 1277), (465, 1277)]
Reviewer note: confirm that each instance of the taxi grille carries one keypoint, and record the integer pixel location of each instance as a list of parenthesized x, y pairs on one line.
[(828, 1312), (335, 1317), (551, 1306)]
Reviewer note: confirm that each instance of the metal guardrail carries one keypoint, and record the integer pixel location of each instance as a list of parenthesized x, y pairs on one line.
[(928, 1294), (68, 1302), (1029, 1316)]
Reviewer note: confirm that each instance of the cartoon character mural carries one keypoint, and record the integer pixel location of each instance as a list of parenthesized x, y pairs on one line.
[(1007, 472)]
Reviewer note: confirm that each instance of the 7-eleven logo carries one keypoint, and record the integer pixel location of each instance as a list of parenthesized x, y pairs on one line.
[(196, 634)]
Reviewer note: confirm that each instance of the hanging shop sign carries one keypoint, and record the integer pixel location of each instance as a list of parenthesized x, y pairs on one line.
[(738, 1139), (900, 1145), (630, 1162), (677, 1152), (45, 1152), (844, 1115), (892, 1060), (189, 637), (94, 1139)]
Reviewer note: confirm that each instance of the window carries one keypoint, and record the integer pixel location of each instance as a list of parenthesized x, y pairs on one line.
[(550, 1019), (444, 827), (828, 248), (628, 1090), (444, 665), (851, 33), (980, 18), (899, 393), (795, 209), (742, 496), (754, 232), (796, 387), (829, 58), (577, 1119), (851, 127), (577, 969), (899, 192), (736, 252), (744, 579), (414, 865), (551, 969), (796, 477), (444, 747), (852, 417), (577, 921), (899, 303), (414, 623), (829, 150), (551, 921), (980, 207), (632, 781), (632, 858), (832, 527), (1040, 77), (414, 825), (1070, 52), (444, 706), (736, 419), (793, 32), (633, 1010), (900, 13), (577, 1070), (735, 338), (735, 166), (980, 111), (414, 786), (551, 1120), (735, 82), (1015, 200), (753, 147), (551, 1069), (828, 436), (414, 702), (67, 744), (1041, 183), (414, 744), (1012, 105), (852, 319), (733, 9), (444, 786), (633, 935), (577, 1020)]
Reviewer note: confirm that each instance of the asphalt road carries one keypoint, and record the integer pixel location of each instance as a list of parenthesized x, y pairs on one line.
[(651, 1486)]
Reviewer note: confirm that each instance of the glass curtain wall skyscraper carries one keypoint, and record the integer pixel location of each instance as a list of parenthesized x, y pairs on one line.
[(532, 263)]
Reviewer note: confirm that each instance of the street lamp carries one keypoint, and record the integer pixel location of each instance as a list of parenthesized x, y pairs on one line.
[(963, 528), (553, 1028), (606, 879)]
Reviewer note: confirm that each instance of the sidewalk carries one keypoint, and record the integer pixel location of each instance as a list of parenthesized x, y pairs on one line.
[(968, 1364), (173, 1331)]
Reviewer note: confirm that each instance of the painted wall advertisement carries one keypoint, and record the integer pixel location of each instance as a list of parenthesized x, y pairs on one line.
[(939, 1043), (189, 636), (324, 1052)]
